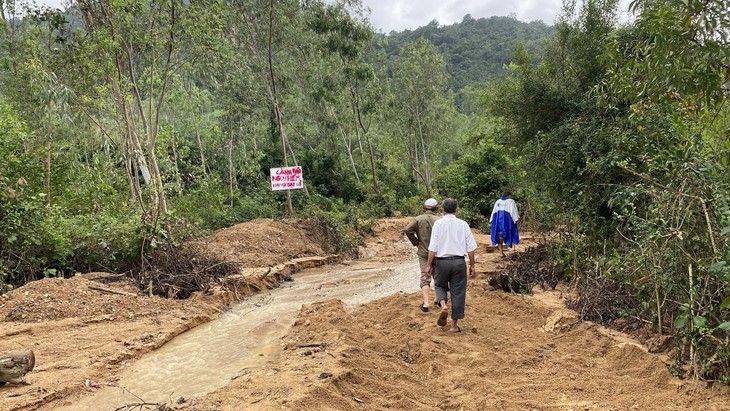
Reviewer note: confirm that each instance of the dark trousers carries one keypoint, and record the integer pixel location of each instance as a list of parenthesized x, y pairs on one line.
[(451, 277)]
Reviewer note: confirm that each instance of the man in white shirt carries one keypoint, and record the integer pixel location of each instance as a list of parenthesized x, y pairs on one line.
[(451, 240)]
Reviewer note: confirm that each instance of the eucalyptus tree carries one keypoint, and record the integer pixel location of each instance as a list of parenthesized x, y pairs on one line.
[(34, 84), (140, 45), (10, 18), (271, 32), (419, 95), (344, 36)]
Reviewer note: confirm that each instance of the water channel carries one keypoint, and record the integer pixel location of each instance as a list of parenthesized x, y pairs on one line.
[(210, 355)]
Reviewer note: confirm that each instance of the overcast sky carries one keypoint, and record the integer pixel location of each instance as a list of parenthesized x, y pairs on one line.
[(387, 15), (399, 15)]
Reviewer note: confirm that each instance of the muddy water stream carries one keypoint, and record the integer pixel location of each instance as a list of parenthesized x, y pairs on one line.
[(210, 355)]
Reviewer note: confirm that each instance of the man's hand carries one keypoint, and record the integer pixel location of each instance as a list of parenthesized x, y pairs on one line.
[(472, 271), (428, 270)]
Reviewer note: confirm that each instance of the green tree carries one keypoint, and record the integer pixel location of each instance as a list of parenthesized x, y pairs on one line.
[(420, 98), (671, 69), (346, 39)]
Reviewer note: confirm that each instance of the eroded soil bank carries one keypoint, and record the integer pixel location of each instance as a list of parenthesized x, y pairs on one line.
[(516, 352)]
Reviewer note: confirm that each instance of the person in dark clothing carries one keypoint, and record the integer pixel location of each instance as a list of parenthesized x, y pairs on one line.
[(418, 232)]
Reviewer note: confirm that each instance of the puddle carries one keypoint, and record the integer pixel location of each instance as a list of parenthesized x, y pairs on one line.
[(210, 355)]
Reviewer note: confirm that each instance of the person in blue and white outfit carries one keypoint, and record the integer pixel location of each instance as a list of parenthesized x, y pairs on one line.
[(504, 223)]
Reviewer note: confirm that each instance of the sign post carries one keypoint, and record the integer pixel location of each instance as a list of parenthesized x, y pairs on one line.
[(286, 178)]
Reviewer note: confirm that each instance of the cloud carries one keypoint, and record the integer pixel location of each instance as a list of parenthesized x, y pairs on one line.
[(387, 15)]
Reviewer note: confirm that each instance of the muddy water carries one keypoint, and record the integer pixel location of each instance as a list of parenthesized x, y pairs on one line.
[(210, 355)]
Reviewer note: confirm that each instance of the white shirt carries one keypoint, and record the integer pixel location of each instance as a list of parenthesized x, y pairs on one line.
[(451, 236)]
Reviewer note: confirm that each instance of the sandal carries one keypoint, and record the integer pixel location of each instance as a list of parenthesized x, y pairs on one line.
[(442, 318), (423, 308)]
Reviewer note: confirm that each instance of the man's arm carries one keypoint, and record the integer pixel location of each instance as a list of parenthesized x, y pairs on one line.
[(429, 263), (410, 232), (472, 261)]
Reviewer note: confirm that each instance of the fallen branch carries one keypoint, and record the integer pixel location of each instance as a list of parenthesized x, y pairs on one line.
[(310, 345), (141, 406), (39, 390), (110, 291), (261, 277)]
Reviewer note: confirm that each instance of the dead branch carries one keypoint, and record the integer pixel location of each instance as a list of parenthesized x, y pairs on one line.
[(321, 345), (39, 390), (110, 291)]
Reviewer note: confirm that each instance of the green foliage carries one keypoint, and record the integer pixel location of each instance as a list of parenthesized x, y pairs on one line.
[(476, 180), (109, 241), (346, 225), (676, 50), (422, 109), (209, 206), (21, 206), (78, 233), (327, 175), (475, 50), (675, 209), (629, 154)]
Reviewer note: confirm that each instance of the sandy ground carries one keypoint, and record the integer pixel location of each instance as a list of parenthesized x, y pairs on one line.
[(516, 352)]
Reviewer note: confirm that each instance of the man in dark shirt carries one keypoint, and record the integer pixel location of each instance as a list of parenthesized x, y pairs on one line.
[(419, 233)]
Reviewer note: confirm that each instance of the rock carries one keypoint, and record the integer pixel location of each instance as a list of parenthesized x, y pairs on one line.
[(325, 375)]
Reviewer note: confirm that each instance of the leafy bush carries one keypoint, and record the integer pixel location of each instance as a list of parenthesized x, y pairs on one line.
[(22, 206), (346, 224), (476, 181), (209, 206), (105, 241)]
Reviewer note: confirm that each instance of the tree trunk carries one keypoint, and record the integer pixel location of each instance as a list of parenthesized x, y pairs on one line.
[(409, 146), (178, 176), (199, 143), (348, 145), (231, 165), (131, 147), (361, 124), (275, 100), (15, 365), (426, 167), (48, 153), (304, 185)]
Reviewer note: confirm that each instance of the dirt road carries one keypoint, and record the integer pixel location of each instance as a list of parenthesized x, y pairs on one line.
[(516, 352)]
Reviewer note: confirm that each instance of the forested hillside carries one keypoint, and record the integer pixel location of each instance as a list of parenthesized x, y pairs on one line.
[(127, 127), (474, 50)]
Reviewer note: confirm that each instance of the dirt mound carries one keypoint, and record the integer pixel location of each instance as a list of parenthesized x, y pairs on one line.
[(86, 328), (388, 243), (389, 355), (79, 296), (266, 242)]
